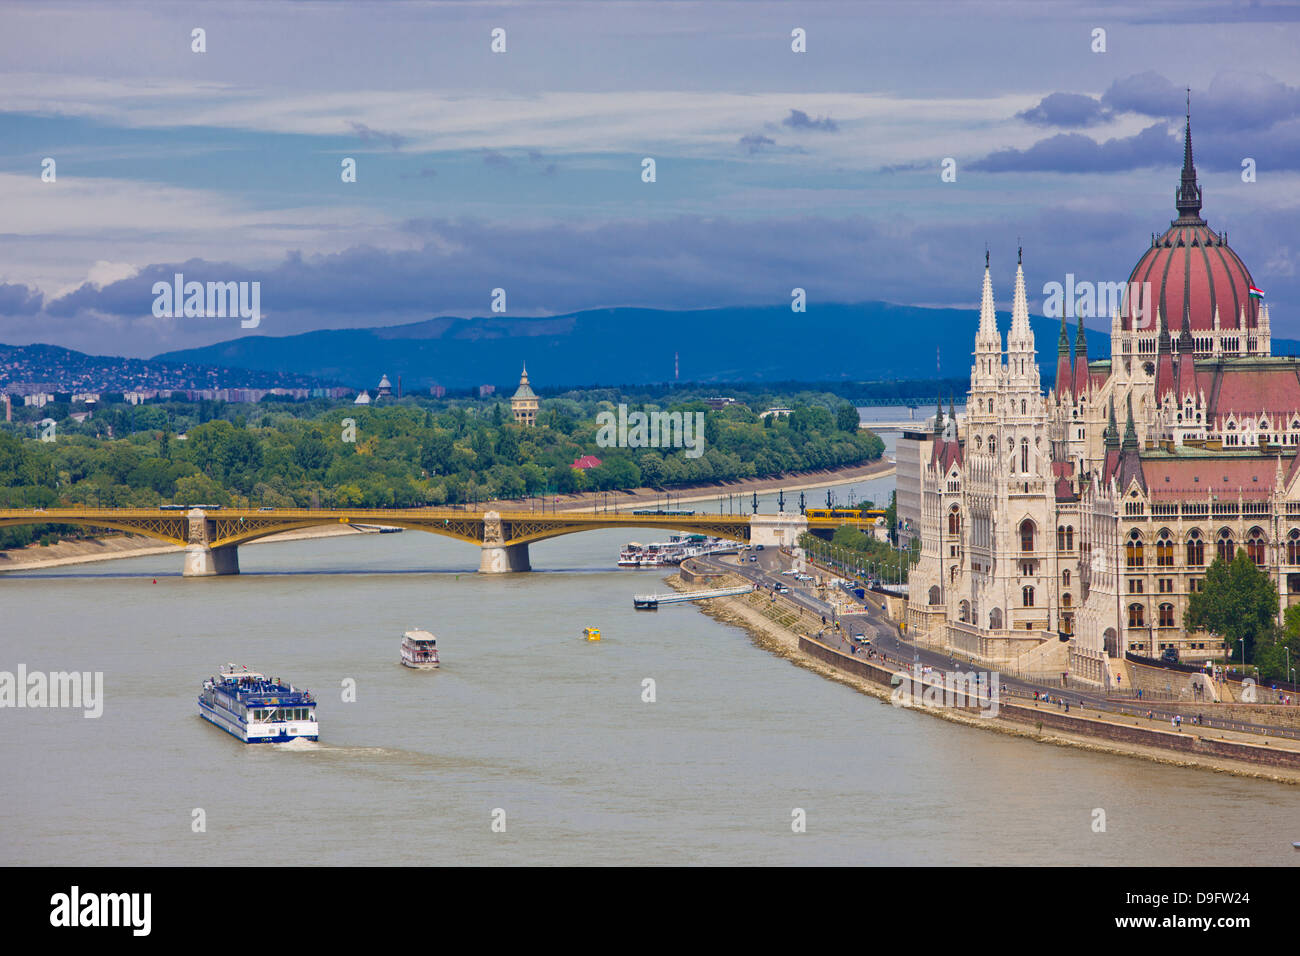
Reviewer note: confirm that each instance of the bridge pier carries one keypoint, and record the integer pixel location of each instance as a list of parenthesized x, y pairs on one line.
[(779, 530), (504, 559), (202, 561)]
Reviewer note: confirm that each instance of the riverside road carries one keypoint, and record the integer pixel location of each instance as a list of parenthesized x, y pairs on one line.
[(886, 639)]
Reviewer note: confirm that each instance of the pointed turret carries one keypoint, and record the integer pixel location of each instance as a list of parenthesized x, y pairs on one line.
[(1080, 361), (1186, 357), (951, 431), (1064, 373), (1164, 361), (988, 340), (1021, 336), (1130, 459), (1130, 431), (938, 417), (1112, 427)]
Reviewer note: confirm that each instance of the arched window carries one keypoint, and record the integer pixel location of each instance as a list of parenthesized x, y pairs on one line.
[(1026, 535), (1293, 547), (1166, 615), (1255, 546), (1133, 551), (1024, 456), (954, 522), (1223, 547), (964, 610), (1065, 577), (1195, 550), (1022, 406), (934, 594), (993, 445), (1066, 600), (1164, 551), (1135, 615), (1027, 596), (995, 619)]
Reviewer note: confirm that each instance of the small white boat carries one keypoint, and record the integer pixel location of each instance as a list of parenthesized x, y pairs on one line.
[(419, 650)]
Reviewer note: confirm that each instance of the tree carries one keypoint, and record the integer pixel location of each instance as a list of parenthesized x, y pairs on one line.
[(846, 418), (1238, 602)]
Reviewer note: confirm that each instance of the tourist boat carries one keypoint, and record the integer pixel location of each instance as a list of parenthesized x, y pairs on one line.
[(420, 651), (591, 633), (257, 710)]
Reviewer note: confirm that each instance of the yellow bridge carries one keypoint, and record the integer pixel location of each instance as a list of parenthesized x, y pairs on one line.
[(211, 538)]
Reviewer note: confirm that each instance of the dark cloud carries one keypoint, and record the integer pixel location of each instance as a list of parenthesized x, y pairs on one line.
[(798, 119), (426, 173), (1077, 153), (499, 160), (368, 135), (754, 142), (1233, 101), (685, 262), (18, 299), (1070, 110)]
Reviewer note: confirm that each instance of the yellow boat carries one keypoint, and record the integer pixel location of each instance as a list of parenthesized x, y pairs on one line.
[(591, 633)]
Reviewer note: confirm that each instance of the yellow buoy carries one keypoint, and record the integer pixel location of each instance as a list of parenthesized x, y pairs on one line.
[(591, 633)]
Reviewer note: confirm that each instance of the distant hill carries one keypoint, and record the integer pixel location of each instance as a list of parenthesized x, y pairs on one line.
[(63, 369), (860, 342)]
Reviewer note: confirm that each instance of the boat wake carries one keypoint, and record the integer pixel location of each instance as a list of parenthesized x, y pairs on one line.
[(298, 743)]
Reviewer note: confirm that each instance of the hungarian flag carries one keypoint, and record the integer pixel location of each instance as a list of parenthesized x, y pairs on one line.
[(1256, 293)]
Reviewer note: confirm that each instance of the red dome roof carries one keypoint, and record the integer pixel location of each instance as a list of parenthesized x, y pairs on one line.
[(1191, 269)]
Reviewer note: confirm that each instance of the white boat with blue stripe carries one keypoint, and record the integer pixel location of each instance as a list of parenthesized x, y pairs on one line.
[(257, 710)]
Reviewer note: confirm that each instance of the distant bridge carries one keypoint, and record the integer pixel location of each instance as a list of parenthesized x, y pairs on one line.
[(211, 539)]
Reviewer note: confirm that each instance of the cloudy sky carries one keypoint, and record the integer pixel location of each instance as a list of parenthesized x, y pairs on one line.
[(522, 170)]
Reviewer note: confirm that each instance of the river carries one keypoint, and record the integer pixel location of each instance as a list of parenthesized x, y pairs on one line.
[(527, 718)]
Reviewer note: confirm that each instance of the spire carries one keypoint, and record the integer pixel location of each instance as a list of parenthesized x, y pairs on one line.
[(988, 338), (938, 416), (1186, 356), (1021, 336), (1188, 197), (1130, 432), (1064, 375), (1112, 427), (1080, 361), (1164, 361)]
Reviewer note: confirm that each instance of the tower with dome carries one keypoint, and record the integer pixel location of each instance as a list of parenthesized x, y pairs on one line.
[(1062, 529)]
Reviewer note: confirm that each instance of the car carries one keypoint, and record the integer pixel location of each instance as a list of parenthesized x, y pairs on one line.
[(758, 547), (782, 589), (862, 639), (753, 557)]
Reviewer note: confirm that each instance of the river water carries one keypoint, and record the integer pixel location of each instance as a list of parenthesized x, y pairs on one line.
[(527, 718)]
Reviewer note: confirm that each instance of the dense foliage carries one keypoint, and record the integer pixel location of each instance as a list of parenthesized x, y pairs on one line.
[(399, 454), (1238, 603)]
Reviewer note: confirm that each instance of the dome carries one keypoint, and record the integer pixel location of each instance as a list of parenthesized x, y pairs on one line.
[(1191, 269)]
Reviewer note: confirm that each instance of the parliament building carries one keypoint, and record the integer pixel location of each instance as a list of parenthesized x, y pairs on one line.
[(1061, 530)]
